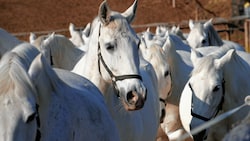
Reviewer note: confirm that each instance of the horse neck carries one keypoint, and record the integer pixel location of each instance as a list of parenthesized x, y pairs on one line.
[(236, 83), (64, 53), (179, 76), (87, 66), (236, 87), (213, 36)]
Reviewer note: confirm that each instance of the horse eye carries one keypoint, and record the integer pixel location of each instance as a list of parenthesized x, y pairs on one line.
[(31, 118), (216, 88), (166, 73), (110, 47), (203, 41)]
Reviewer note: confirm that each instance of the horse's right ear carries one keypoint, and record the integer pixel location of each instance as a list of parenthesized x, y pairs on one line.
[(129, 14), (32, 37), (87, 29), (191, 24), (104, 13), (226, 58), (209, 22), (169, 46), (71, 29)]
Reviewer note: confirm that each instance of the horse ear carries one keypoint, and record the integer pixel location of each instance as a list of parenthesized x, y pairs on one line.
[(191, 24), (195, 55), (226, 58), (143, 45), (32, 37), (71, 29), (86, 30), (49, 38), (157, 30), (148, 29), (169, 46), (178, 28), (209, 22), (129, 14), (104, 13)]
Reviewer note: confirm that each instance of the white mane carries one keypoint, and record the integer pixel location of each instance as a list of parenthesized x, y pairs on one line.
[(14, 76), (17, 99), (212, 35), (63, 53)]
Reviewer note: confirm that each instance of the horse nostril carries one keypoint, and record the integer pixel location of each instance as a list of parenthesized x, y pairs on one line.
[(132, 97)]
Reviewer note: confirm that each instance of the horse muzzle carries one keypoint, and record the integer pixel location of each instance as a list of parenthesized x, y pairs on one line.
[(202, 135), (134, 100)]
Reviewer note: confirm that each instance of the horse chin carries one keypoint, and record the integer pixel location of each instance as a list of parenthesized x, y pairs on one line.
[(133, 107)]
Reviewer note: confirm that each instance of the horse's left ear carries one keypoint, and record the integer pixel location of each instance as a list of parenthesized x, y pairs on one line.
[(129, 14), (104, 13), (71, 29), (191, 24), (209, 22), (169, 46), (32, 37), (226, 58)]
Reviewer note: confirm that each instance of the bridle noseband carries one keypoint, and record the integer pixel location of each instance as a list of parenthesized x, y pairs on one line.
[(218, 108), (113, 77)]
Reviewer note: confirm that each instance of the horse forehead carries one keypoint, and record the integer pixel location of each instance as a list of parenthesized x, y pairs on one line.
[(119, 27), (205, 66), (198, 29)]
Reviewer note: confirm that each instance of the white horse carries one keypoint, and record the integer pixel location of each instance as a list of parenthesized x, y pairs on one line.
[(41, 106), (202, 35), (112, 64), (7, 42), (218, 82), (75, 36), (180, 67), (178, 58), (80, 38), (92, 122), (59, 50), (155, 55)]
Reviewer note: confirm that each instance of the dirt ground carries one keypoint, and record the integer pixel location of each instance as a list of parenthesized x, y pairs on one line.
[(24, 16)]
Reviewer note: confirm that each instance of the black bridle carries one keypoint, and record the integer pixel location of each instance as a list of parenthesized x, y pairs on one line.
[(114, 78), (218, 108)]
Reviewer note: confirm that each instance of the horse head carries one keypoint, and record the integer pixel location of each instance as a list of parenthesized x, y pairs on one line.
[(118, 58), (197, 36), (207, 85)]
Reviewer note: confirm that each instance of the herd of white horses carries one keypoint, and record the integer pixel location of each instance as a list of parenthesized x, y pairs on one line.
[(109, 83)]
